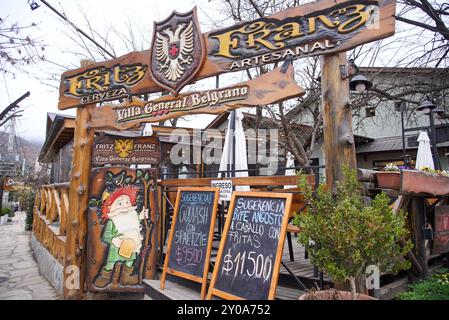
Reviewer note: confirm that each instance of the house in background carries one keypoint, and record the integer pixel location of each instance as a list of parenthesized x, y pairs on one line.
[(377, 131), (57, 149), (377, 127)]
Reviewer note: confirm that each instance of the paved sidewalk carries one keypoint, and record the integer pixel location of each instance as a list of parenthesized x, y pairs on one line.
[(23, 280)]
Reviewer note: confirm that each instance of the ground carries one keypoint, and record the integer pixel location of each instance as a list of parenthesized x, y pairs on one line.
[(17, 264)]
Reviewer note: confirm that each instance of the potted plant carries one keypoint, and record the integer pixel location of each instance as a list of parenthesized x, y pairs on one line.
[(344, 237), (4, 215), (389, 178)]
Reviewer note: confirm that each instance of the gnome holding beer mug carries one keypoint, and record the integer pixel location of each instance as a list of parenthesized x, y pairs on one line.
[(122, 234)]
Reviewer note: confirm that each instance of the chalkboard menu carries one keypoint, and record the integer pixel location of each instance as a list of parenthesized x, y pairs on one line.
[(251, 248), (190, 239)]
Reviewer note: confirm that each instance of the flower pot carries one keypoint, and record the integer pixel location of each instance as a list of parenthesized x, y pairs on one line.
[(4, 219), (333, 295), (422, 182), (388, 179)]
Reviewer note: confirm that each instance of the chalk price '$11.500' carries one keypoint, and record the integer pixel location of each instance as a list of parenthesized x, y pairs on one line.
[(250, 263)]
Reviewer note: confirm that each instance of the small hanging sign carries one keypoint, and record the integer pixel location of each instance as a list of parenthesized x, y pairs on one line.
[(225, 189), (115, 150)]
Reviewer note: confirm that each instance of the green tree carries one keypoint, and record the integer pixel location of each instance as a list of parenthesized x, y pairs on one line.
[(348, 235)]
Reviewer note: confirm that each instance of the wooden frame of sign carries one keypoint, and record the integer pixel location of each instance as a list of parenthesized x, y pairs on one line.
[(181, 274), (279, 248)]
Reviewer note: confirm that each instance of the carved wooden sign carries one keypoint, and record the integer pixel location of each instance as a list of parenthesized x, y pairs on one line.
[(125, 150), (122, 229), (178, 50), (268, 88), (315, 28)]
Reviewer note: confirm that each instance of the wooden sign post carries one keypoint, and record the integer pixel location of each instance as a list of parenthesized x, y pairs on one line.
[(339, 146), (191, 235), (251, 246), (74, 266)]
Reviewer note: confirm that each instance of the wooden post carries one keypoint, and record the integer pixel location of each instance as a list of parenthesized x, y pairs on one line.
[(78, 199), (339, 147), (418, 221)]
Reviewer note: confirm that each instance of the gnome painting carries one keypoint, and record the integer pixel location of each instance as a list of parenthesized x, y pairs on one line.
[(122, 234)]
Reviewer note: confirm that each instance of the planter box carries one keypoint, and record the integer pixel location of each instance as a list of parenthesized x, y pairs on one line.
[(388, 179), (333, 295), (420, 182), (3, 219)]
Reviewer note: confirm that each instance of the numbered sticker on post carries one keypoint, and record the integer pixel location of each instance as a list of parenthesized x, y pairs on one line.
[(225, 189)]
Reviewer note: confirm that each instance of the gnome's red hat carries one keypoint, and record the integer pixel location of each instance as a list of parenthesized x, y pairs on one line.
[(129, 191)]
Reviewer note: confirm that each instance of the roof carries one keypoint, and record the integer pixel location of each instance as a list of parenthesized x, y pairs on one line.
[(219, 120), (401, 70), (393, 144), (60, 131)]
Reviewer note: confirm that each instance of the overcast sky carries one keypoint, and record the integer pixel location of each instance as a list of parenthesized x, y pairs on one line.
[(102, 14), (52, 31)]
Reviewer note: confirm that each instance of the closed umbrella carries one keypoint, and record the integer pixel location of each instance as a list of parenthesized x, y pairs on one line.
[(241, 161), (290, 172), (424, 156)]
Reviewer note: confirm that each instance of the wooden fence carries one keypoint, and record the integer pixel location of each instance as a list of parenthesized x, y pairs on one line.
[(51, 207)]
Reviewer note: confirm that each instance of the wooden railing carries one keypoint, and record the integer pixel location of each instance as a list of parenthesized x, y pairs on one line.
[(51, 209)]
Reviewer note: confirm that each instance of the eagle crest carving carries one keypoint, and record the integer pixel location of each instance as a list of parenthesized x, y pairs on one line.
[(177, 51)]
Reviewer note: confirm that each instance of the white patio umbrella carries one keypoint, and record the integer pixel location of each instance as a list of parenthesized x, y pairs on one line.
[(241, 161), (290, 172), (424, 156)]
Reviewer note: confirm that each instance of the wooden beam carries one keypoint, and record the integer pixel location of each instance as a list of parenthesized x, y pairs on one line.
[(417, 221), (78, 199), (260, 181), (272, 87), (339, 146)]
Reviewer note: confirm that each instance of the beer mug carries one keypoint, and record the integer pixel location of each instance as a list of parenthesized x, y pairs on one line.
[(127, 248)]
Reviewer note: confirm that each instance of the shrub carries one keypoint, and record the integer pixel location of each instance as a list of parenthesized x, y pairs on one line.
[(5, 211), (434, 288), (29, 207), (348, 235)]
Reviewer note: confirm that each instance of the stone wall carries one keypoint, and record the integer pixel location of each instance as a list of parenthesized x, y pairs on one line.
[(49, 267)]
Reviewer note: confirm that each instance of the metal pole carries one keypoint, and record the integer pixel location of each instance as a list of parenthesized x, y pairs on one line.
[(436, 158), (2, 183), (233, 140), (403, 134)]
